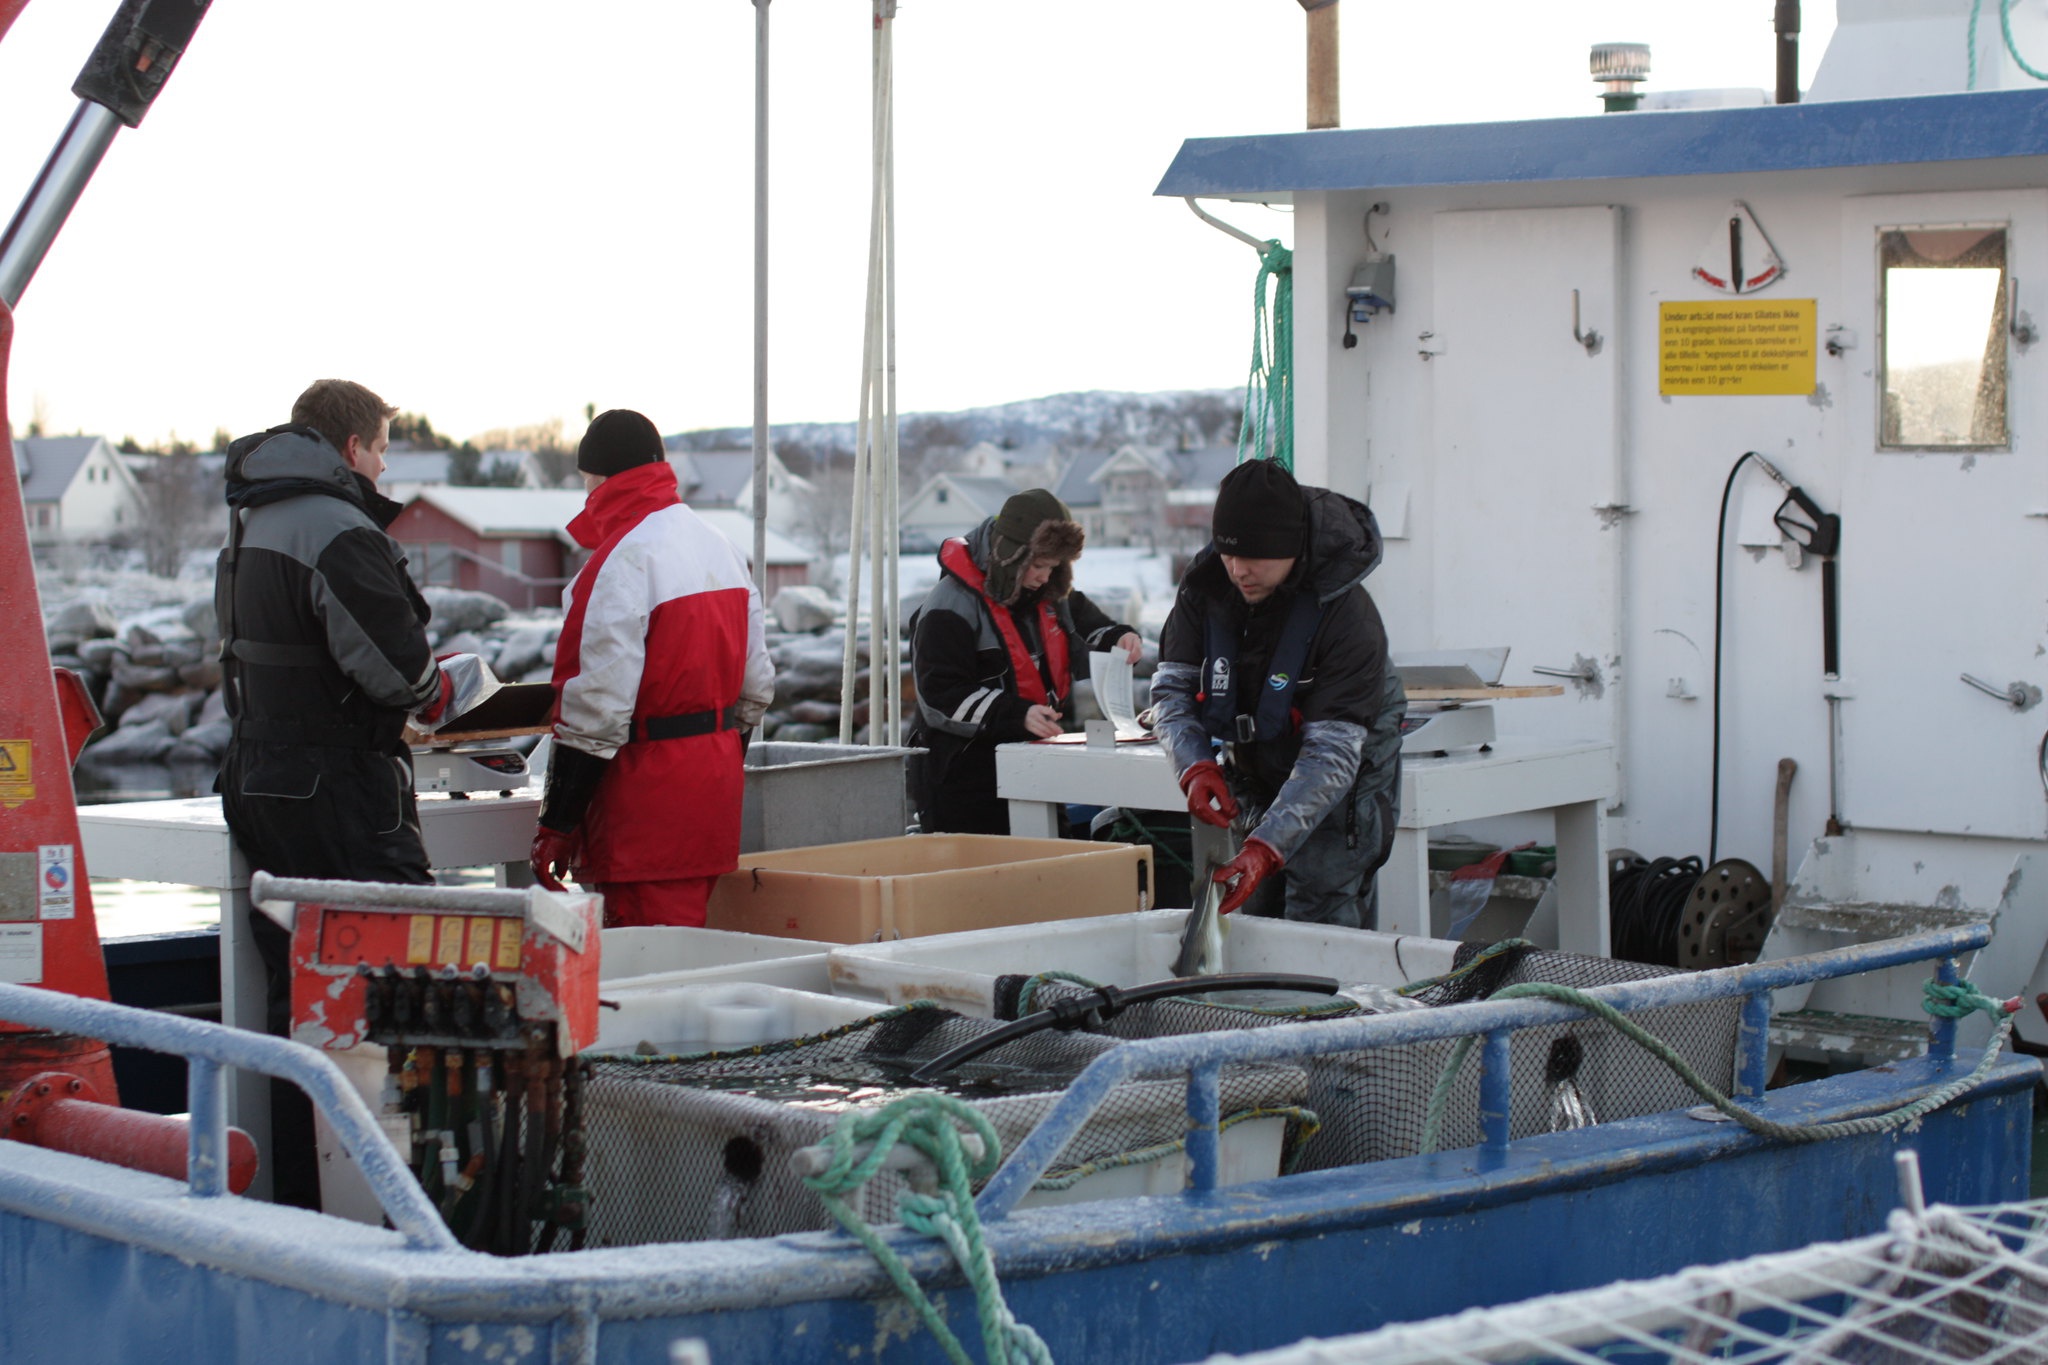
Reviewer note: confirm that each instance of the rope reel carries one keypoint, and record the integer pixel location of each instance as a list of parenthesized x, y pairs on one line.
[(1675, 912)]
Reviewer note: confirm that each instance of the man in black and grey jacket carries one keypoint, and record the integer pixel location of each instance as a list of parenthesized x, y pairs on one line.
[(993, 652), (1275, 660), (324, 651)]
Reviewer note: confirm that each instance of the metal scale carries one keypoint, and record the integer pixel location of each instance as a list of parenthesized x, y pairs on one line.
[(1450, 696), (473, 752)]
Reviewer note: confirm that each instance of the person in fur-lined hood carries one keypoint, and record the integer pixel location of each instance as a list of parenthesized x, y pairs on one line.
[(994, 651)]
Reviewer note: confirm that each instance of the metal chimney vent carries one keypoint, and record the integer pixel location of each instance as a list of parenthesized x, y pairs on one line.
[(1620, 68)]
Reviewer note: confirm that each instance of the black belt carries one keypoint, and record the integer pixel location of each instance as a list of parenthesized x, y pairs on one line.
[(273, 655), (688, 726)]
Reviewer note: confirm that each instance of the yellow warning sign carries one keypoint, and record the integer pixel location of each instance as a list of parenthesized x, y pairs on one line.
[(1736, 346), (17, 772)]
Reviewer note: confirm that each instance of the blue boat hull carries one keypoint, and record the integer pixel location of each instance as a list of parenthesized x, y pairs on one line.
[(102, 1264)]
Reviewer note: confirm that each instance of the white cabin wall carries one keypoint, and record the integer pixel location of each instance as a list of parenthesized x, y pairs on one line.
[(1372, 409)]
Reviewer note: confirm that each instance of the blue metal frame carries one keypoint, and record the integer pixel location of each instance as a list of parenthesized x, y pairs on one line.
[(1202, 1055), (207, 1047), (123, 1270), (1985, 125)]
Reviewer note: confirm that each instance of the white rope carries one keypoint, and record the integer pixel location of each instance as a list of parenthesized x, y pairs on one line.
[(875, 493)]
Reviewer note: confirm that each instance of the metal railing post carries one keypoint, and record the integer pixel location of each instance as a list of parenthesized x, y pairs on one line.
[(1205, 1107), (1753, 1045), (206, 1149), (1495, 1102), (1941, 1042)]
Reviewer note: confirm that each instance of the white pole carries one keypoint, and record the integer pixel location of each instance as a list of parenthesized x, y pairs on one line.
[(877, 357), (761, 298), (894, 545)]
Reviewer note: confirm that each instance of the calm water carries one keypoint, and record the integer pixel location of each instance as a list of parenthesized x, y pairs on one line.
[(126, 908)]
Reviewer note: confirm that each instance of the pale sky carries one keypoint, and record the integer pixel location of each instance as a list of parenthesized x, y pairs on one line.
[(494, 213)]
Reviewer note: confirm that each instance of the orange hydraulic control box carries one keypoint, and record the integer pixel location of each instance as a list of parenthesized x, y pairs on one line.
[(423, 966)]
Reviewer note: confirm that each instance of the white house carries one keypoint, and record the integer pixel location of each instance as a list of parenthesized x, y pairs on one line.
[(75, 489), (725, 478), (1145, 495), (406, 472), (950, 505)]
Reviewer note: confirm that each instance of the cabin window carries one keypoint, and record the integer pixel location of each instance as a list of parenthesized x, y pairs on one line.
[(435, 565), (510, 556), (1943, 311)]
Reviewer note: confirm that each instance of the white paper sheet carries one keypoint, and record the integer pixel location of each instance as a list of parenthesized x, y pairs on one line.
[(1111, 673)]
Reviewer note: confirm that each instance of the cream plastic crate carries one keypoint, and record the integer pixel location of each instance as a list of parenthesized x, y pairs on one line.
[(959, 971), (676, 956), (883, 889), (718, 1016)]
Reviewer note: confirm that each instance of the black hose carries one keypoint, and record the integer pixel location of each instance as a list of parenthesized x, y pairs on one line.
[(1109, 1001), (1645, 903), (1720, 572)]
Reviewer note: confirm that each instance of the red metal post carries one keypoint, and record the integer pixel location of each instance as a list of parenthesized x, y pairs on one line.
[(48, 935)]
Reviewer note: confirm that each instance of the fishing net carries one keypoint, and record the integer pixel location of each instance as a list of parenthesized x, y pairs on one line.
[(1372, 1104), (699, 1147), (1942, 1284)]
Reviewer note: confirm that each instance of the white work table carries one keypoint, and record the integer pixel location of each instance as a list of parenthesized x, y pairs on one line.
[(1571, 781), (187, 842)]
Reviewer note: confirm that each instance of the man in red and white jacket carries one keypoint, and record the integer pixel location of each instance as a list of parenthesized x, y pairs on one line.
[(660, 668)]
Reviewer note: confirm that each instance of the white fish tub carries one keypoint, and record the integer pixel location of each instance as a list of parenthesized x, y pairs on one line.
[(959, 970), (716, 1016), (675, 956)]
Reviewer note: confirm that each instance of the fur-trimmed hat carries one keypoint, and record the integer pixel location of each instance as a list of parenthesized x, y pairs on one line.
[(1032, 525)]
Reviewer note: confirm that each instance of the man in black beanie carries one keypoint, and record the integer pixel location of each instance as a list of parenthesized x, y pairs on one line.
[(1274, 661), (660, 669), (994, 651)]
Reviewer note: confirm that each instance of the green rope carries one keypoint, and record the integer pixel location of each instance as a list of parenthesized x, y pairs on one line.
[(2011, 46), (931, 1123), (1945, 1001), (1267, 431), (1478, 961), (1302, 1124), (2005, 24)]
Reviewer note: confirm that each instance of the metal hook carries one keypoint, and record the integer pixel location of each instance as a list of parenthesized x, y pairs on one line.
[(1382, 207), (2022, 332), (1589, 338), (1253, 242)]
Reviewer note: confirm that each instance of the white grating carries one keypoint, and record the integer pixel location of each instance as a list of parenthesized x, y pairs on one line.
[(1941, 1284)]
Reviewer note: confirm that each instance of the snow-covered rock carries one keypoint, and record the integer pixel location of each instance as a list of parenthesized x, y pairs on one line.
[(459, 609)]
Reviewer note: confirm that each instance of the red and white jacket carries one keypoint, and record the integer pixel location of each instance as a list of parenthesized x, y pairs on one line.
[(663, 621)]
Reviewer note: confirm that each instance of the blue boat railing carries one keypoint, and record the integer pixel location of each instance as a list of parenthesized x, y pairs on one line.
[(209, 1048), (1202, 1056)]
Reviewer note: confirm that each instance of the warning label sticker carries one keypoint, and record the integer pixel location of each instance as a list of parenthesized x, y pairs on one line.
[(17, 772), (56, 896), (21, 953), (1736, 346)]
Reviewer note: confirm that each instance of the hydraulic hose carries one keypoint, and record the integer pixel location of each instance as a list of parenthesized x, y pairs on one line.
[(1109, 1001)]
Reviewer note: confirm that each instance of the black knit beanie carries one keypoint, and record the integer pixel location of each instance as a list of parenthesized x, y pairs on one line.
[(618, 440), (1260, 513)]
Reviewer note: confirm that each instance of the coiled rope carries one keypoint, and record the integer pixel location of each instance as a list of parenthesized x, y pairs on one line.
[(931, 1124), (2011, 47), (1939, 999), (1267, 431)]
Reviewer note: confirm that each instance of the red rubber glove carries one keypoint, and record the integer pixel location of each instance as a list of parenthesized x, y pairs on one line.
[(554, 852), (1209, 798), (437, 708), (1259, 861)]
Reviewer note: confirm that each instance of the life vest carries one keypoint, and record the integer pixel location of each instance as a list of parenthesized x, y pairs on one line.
[(1273, 716), (1030, 683)]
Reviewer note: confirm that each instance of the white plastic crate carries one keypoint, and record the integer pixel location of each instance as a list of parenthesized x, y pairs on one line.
[(959, 970)]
